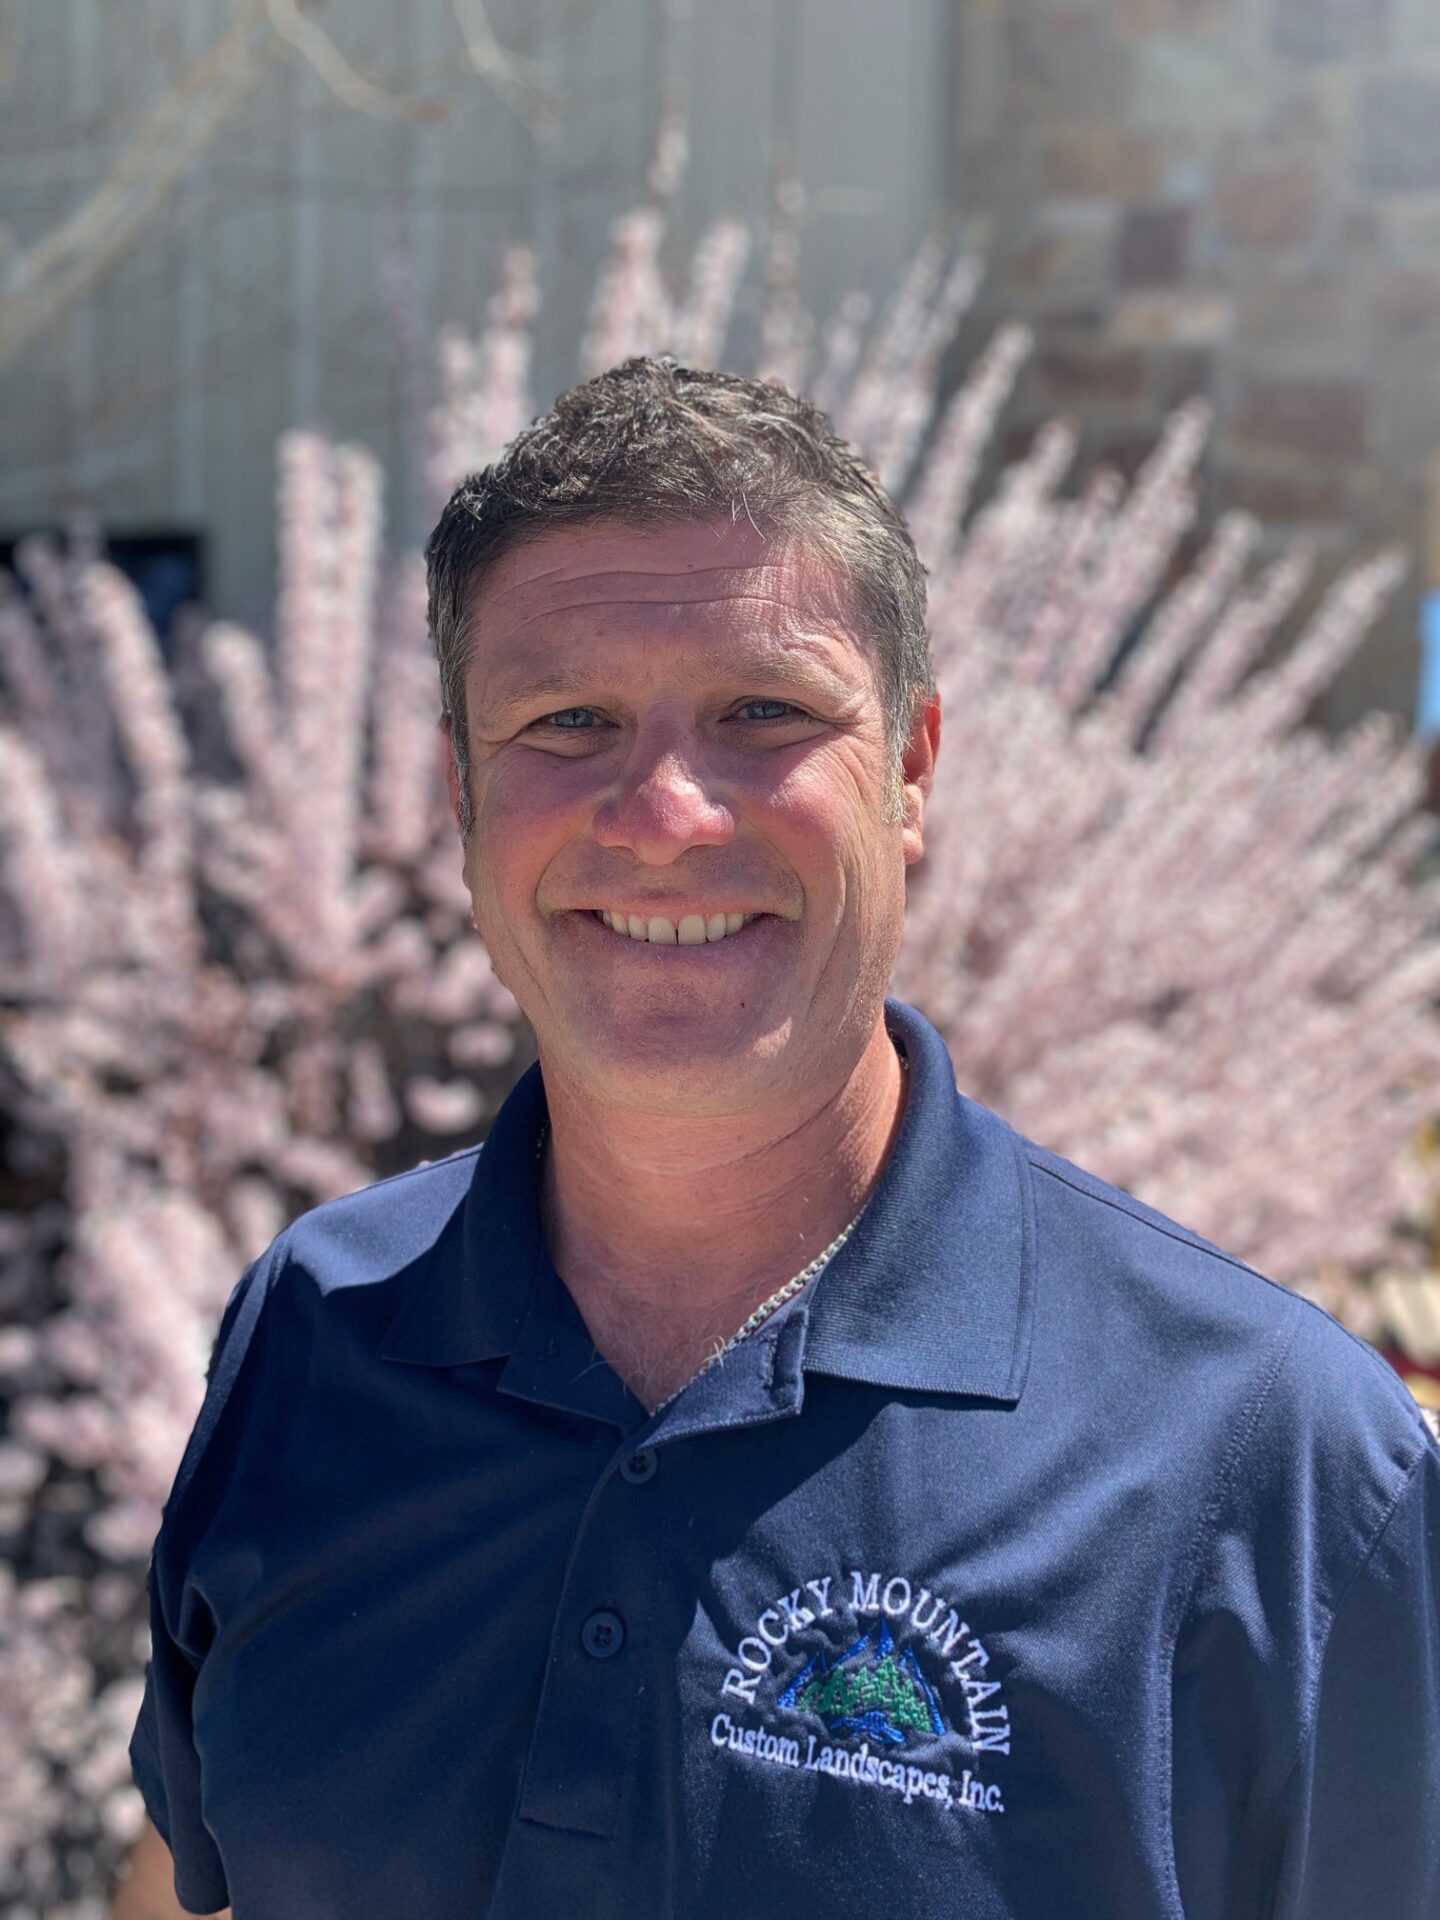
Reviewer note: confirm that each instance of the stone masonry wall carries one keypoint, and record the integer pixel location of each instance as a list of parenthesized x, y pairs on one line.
[(1239, 198)]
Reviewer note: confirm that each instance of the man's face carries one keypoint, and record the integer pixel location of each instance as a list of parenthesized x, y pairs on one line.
[(673, 725)]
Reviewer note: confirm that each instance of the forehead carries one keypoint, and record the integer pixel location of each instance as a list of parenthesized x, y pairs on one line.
[(708, 580)]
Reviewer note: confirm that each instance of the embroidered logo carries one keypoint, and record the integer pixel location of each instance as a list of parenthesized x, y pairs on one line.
[(896, 1672), (868, 1690)]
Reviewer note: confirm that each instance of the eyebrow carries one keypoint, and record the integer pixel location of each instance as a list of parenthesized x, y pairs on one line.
[(794, 667)]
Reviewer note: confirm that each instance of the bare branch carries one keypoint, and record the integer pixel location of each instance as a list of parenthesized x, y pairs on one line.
[(514, 76), (42, 280), (39, 282), (350, 88)]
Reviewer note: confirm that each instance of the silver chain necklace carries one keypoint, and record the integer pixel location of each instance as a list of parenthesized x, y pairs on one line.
[(778, 1299), (761, 1314)]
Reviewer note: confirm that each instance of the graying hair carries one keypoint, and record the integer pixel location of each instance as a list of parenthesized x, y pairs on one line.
[(651, 444)]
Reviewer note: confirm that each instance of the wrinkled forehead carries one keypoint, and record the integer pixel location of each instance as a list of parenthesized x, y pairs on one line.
[(613, 576)]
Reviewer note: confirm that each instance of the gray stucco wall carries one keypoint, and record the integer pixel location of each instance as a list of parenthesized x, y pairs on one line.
[(255, 298)]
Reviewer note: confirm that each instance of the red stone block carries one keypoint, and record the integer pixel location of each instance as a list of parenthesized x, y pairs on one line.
[(1289, 496), (1327, 419), (1153, 246), (1102, 160), (1082, 371), (1185, 373), (1408, 302), (1270, 205)]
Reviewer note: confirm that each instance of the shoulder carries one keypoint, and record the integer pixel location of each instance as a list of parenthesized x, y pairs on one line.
[(1111, 1223), (335, 1273), (378, 1230), (1305, 1422), (327, 1258), (1196, 1320), (1093, 1228), (356, 1240)]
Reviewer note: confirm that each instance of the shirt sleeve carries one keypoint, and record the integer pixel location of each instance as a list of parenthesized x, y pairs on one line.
[(167, 1770), (163, 1756), (1305, 1677), (1361, 1806)]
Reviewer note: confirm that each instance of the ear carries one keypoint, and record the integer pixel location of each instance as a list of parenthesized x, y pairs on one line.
[(918, 773), (451, 772)]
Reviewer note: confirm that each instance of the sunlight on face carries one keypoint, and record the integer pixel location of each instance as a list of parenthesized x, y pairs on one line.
[(671, 725)]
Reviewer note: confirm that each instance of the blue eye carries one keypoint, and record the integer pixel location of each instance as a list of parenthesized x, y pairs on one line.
[(583, 719)]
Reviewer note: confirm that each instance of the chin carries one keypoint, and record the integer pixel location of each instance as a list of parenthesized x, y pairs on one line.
[(649, 1046)]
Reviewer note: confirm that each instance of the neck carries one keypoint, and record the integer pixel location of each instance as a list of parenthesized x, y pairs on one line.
[(669, 1233)]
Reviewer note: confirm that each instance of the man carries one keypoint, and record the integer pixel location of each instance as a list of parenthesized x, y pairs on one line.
[(759, 1482)]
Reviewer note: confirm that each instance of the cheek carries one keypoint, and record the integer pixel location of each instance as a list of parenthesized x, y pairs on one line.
[(829, 812), (525, 810)]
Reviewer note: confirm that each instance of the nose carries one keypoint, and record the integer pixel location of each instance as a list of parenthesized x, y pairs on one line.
[(660, 806)]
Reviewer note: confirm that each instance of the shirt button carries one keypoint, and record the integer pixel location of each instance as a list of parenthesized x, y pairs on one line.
[(640, 1467), (603, 1634)]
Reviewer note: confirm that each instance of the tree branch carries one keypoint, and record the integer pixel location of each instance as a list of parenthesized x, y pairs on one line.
[(513, 76), (352, 89), (41, 281)]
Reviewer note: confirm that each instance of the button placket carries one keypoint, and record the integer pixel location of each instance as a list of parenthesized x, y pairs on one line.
[(582, 1747)]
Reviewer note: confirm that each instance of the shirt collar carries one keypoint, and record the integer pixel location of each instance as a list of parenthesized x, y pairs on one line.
[(474, 1308), (932, 1292)]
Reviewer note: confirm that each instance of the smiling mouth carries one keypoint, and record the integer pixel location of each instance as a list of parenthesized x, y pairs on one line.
[(691, 930)]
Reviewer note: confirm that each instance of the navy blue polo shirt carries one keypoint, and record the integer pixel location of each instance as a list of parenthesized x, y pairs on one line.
[(1040, 1560)]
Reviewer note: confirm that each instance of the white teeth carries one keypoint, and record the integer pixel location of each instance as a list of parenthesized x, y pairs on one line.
[(694, 930)]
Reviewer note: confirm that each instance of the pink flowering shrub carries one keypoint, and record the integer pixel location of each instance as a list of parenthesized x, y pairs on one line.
[(1165, 929), (232, 990)]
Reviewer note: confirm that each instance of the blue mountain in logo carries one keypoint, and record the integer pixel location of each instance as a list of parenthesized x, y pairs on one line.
[(869, 1689)]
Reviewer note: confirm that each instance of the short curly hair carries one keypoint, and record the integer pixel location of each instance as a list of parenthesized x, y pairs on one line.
[(653, 443)]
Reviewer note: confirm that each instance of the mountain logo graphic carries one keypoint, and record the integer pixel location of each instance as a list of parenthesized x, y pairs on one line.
[(870, 1689)]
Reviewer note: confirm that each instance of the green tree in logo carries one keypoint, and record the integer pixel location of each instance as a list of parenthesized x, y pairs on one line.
[(878, 1687), (870, 1689)]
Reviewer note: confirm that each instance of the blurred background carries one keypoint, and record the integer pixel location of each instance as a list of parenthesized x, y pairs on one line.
[(1134, 305), (219, 217)]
